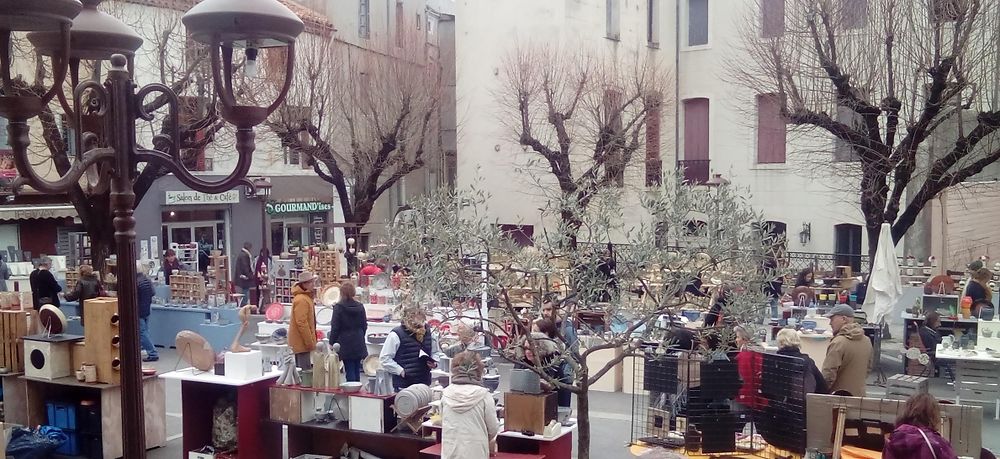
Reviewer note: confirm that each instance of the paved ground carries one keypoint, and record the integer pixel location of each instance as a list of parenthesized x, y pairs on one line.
[(610, 412)]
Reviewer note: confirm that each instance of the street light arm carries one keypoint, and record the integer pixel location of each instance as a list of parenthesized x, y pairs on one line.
[(18, 131), (244, 144)]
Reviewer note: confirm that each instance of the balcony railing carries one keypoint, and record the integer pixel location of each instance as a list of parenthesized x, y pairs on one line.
[(695, 170)]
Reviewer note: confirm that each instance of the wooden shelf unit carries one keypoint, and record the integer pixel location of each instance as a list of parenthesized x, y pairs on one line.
[(188, 287), (218, 272)]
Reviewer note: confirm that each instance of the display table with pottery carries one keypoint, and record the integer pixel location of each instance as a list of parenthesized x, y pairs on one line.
[(949, 325), (975, 375), (199, 392), (25, 398)]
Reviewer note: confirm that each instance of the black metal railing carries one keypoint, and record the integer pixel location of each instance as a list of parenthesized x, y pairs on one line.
[(695, 170), (797, 261)]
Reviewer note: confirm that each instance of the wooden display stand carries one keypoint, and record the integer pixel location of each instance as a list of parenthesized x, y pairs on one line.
[(101, 338), (188, 287), (13, 328), (255, 438), (72, 277), (24, 403), (529, 412), (327, 267), (218, 272)]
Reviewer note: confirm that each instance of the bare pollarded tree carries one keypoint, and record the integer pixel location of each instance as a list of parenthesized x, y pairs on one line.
[(887, 79), (363, 119), (583, 118)]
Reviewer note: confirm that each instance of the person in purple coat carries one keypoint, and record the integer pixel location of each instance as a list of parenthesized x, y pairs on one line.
[(916, 435)]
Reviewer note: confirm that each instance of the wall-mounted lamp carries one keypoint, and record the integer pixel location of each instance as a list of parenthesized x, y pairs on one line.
[(806, 234)]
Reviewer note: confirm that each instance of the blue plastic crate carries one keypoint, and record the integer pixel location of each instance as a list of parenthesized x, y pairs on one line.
[(61, 415), (72, 445)]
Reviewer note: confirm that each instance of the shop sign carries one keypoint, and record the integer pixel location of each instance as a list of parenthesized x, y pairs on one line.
[(274, 208), (29, 213), (196, 197)]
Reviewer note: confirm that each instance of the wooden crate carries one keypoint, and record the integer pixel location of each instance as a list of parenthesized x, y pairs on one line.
[(101, 335), (188, 287), (293, 406), (13, 327), (72, 277), (529, 411), (902, 387)]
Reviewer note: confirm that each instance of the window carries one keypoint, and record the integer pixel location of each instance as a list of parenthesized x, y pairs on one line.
[(695, 228), (521, 235), (400, 21), (653, 23), (419, 22), (654, 164), (847, 245), (697, 22), (946, 10), (771, 133), (613, 16), (614, 162), (772, 18), (843, 150), (853, 13), (364, 18), (696, 154)]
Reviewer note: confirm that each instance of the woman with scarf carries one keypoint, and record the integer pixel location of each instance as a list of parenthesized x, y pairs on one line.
[(469, 414), (408, 351)]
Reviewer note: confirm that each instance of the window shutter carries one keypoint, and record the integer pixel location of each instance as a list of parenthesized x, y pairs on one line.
[(771, 130)]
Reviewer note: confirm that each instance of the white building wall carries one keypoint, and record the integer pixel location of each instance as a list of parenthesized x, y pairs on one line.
[(794, 193)]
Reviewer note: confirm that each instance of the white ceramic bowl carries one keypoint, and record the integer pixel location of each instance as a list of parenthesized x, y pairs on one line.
[(350, 387)]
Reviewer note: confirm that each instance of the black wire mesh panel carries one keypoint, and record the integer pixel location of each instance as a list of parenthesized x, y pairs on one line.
[(660, 393), (782, 419)]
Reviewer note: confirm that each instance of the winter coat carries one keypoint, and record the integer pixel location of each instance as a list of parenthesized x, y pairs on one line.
[(912, 442), (348, 328), (847, 360), (408, 356), (814, 382), (749, 364), (930, 339), (144, 295), (977, 291), (44, 285), (468, 422), (86, 288), (302, 329), (244, 276)]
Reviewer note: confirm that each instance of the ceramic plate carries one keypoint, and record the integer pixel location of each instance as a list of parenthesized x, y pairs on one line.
[(274, 312), (324, 316), (331, 295), (52, 319)]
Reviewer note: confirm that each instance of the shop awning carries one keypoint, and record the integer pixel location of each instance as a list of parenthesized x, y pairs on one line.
[(300, 188), (29, 212)]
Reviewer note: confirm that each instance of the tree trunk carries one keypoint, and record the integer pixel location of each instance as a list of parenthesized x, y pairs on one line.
[(102, 245), (583, 419)]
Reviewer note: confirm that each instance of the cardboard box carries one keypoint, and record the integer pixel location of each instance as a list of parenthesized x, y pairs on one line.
[(530, 412), (292, 406), (377, 416), (244, 365)]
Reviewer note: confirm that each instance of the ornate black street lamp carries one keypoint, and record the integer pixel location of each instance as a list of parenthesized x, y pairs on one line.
[(69, 31)]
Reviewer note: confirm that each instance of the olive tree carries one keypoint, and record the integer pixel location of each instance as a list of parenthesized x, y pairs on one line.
[(454, 250)]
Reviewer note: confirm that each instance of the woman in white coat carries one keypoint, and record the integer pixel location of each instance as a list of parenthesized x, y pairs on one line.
[(469, 413)]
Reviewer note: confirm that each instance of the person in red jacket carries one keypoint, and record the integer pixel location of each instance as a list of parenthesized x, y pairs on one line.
[(749, 364)]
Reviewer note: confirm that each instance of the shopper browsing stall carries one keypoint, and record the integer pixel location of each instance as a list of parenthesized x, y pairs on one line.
[(144, 297), (408, 351), (466, 337), (916, 435), (86, 288), (849, 354), (788, 345), (302, 330), (245, 278), (171, 265), (978, 287), (469, 421), (44, 288), (348, 328)]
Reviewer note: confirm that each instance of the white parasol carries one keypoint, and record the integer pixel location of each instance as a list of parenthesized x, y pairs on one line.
[(884, 284)]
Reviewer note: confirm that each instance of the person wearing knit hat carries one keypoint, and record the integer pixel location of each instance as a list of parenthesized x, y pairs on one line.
[(469, 424)]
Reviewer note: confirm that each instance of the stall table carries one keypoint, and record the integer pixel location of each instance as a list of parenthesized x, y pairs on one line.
[(329, 439), (435, 451), (200, 390), (975, 376), (25, 398), (911, 324), (558, 447)]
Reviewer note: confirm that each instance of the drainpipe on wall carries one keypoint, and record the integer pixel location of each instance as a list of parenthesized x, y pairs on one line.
[(677, 83)]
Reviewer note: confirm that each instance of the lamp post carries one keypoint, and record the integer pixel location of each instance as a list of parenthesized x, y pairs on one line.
[(69, 31), (262, 191)]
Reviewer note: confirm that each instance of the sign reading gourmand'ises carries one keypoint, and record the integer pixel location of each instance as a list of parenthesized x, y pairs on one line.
[(274, 208), (195, 197)]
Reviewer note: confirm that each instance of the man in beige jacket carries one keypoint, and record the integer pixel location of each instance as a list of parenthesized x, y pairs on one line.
[(850, 353)]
